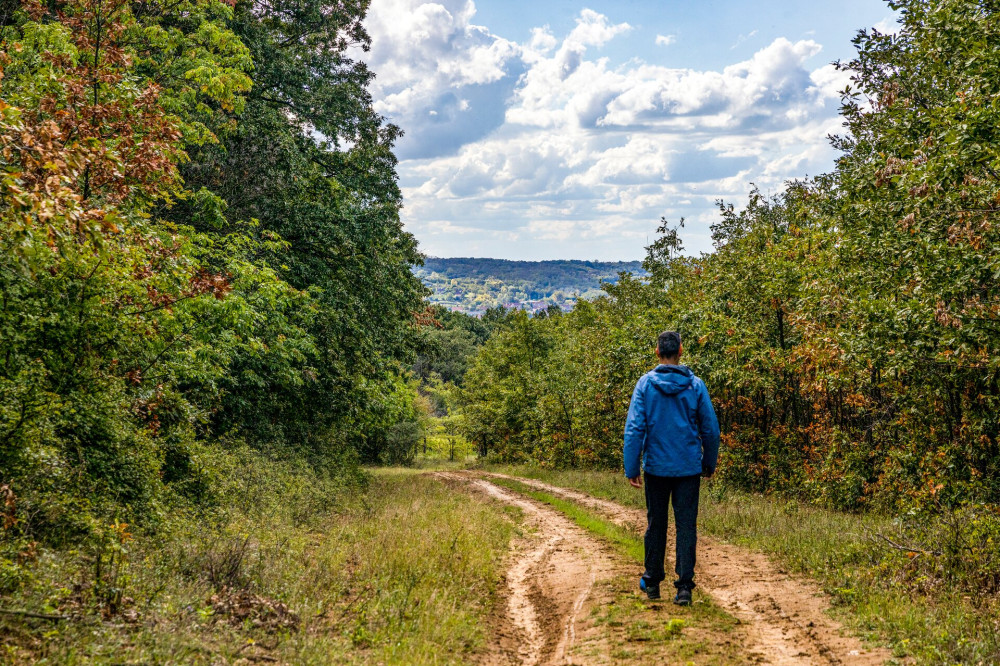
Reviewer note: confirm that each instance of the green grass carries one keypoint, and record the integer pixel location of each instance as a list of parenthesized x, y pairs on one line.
[(945, 627), (404, 571)]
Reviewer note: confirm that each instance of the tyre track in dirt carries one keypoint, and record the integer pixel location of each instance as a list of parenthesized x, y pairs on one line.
[(785, 617), (549, 584)]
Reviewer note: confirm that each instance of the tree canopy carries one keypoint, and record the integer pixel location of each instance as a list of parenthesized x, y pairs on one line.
[(200, 244)]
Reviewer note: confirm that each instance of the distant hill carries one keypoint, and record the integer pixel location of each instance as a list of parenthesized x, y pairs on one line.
[(472, 285)]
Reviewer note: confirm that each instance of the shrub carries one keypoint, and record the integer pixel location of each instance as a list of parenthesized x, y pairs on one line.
[(943, 548)]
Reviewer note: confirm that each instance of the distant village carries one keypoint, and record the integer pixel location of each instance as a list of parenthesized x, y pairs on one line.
[(530, 306), (473, 286)]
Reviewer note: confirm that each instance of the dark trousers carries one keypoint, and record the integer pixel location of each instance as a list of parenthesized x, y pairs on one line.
[(682, 492)]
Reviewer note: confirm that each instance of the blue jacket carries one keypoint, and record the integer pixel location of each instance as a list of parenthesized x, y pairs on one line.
[(671, 425)]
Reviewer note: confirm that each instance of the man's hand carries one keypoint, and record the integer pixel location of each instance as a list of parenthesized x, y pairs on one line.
[(707, 475), (636, 482)]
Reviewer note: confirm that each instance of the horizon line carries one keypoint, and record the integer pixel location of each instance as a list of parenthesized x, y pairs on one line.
[(537, 261)]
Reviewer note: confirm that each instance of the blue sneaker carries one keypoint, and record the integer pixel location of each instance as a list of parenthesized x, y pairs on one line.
[(683, 598), (652, 591)]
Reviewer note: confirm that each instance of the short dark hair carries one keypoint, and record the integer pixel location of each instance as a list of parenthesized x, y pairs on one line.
[(668, 344)]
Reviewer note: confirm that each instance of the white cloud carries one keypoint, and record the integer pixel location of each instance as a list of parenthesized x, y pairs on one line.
[(433, 62), (590, 93), (829, 80), (546, 148), (542, 41), (428, 43), (887, 26), (593, 29), (665, 40)]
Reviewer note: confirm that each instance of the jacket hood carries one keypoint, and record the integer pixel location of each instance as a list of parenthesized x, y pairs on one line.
[(671, 379)]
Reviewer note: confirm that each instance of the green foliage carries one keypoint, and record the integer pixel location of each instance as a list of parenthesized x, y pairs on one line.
[(446, 345), (393, 427), (183, 259), (445, 353), (522, 397), (106, 310), (312, 162)]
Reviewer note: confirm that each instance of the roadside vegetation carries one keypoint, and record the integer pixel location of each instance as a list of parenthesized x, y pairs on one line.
[(392, 568), (203, 278), (848, 330)]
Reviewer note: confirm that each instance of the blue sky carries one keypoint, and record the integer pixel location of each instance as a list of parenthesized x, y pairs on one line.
[(553, 129)]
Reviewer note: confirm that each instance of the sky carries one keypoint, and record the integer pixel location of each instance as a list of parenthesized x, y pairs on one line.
[(555, 129)]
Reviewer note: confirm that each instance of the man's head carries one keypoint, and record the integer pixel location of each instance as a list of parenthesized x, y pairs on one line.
[(668, 347)]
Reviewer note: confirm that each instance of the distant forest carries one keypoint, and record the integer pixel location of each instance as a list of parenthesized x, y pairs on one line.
[(472, 285)]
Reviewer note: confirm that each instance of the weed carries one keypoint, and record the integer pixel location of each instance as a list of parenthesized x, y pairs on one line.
[(111, 567), (223, 564)]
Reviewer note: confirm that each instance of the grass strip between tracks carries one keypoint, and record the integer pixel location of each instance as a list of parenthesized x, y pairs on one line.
[(639, 630), (626, 541)]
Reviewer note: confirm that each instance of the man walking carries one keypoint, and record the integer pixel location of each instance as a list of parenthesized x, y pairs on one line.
[(673, 431)]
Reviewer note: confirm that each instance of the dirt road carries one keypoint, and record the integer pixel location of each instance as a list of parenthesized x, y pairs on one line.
[(551, 591), (549, 584)]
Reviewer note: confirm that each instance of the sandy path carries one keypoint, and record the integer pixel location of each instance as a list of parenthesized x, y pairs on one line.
[(785, 617), (549, 584)]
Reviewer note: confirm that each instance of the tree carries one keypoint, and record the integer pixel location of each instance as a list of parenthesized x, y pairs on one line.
[(100, 299), (313, 162)]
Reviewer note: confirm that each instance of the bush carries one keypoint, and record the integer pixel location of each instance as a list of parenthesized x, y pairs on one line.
[(943, 548)]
